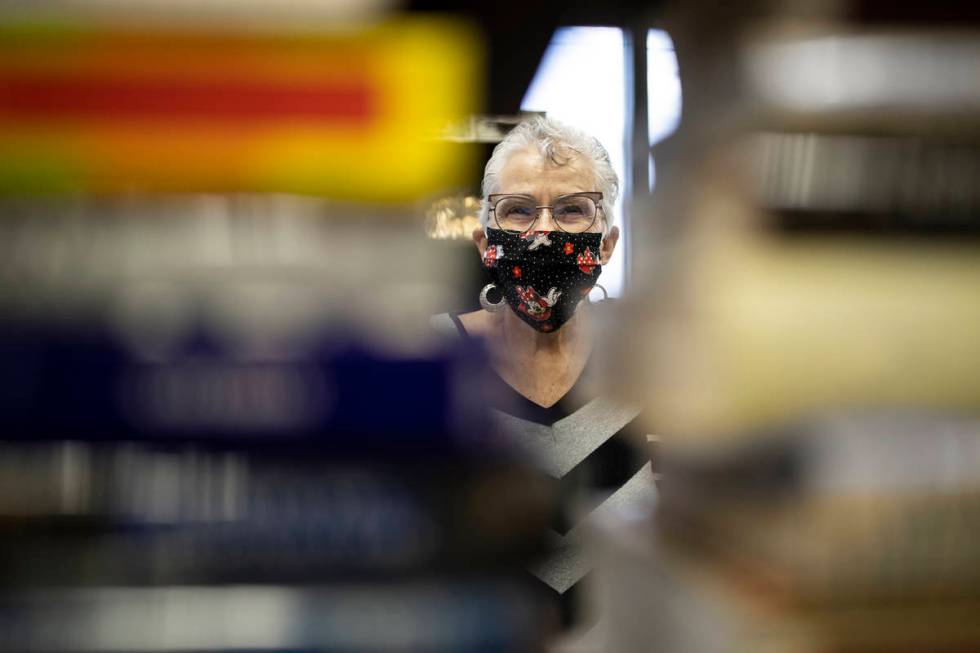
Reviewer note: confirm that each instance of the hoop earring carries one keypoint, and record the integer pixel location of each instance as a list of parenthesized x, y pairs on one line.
[(605, 295), (487, 305)]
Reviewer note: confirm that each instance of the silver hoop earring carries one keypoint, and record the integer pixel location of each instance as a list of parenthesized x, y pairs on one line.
[(487, 305), (605, 295)]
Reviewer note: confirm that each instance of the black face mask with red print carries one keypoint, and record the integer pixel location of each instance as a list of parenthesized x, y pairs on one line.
[(543, 275)]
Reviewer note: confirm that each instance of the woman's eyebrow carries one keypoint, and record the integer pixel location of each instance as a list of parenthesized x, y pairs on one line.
[(535, 198)]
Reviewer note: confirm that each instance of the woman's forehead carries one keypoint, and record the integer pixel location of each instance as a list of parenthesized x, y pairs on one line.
[(527, 171)]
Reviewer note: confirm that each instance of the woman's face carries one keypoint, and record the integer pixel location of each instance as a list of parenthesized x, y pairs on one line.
[(527, 172)]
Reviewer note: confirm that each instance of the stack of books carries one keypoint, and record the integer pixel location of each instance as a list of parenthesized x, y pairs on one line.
[(345, 501), (850, 533)]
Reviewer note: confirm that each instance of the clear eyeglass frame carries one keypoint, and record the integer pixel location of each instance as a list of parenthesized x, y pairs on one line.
[(495, 199)]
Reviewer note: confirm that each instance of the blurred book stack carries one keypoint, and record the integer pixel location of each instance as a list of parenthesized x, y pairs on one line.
[(850, 533), (846, 534), (225, 424), (211, 440), (345, 502), (805, 339)]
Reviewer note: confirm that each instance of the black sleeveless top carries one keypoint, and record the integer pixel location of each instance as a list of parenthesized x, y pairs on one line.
[(587, 446)]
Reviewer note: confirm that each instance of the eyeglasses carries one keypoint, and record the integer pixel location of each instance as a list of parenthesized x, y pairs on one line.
[(573, 213)]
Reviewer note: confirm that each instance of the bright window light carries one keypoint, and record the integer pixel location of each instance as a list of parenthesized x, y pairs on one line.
[(663, 90), (581, 82)]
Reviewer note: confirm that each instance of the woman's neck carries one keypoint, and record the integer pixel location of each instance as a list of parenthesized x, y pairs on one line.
[(541, 366)]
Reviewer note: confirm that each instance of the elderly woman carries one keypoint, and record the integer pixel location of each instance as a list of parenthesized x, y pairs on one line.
[(548, 190), (546, 235)]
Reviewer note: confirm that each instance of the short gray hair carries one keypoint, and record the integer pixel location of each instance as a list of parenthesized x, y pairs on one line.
[(558, 143)]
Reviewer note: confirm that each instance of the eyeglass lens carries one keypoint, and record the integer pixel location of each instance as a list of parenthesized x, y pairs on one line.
[(575, 213)]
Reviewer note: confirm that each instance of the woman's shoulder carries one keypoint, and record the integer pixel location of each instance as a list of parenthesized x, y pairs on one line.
[(473, 324), (465, 325)]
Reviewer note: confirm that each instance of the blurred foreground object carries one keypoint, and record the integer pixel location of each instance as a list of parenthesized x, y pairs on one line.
[(804, 336), (816, 244), (393, 616), (225, 423), (849, 533), (345, 111), (848, 509)]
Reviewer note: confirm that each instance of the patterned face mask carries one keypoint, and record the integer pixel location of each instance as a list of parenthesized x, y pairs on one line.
[(543, 275)]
